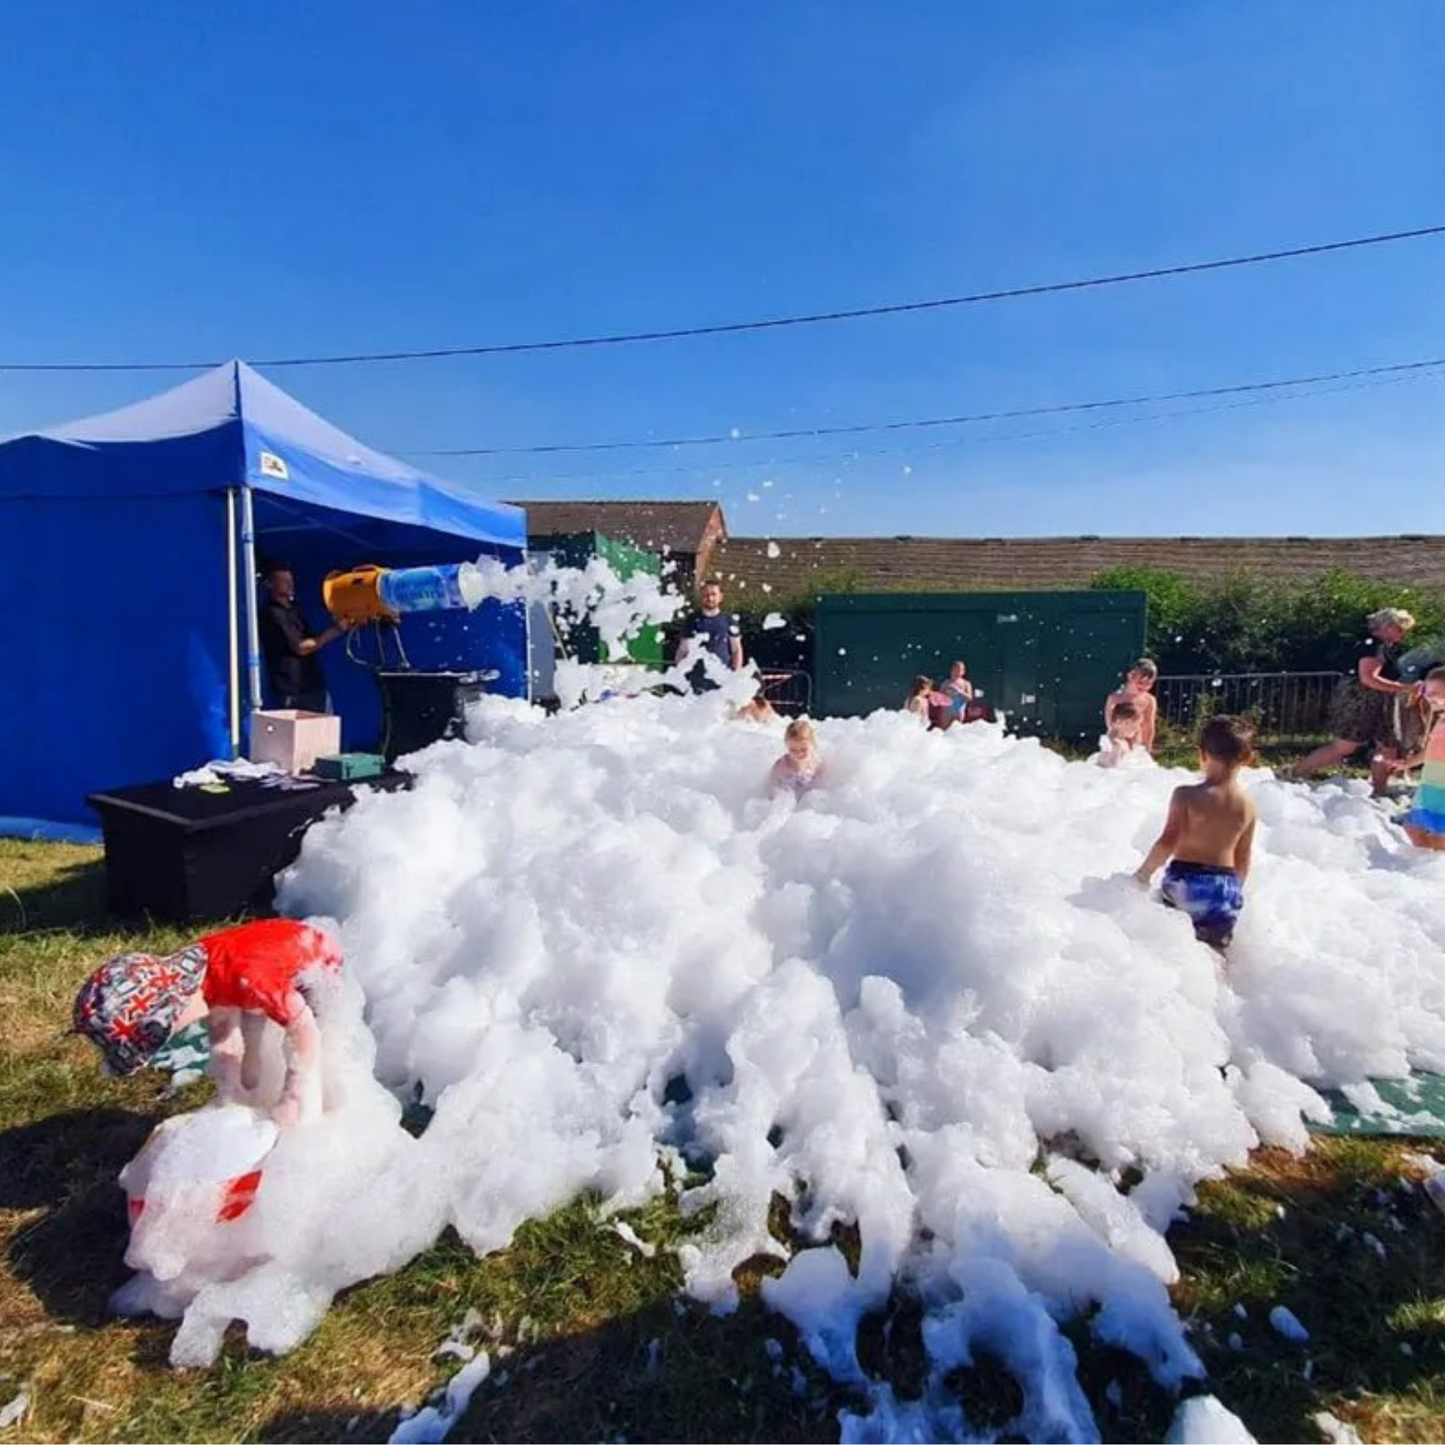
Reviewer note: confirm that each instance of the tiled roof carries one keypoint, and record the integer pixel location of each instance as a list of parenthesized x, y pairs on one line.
[(936, 563), (677, 526)]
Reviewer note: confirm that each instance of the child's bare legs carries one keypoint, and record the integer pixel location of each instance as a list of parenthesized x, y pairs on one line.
[(253, 1029), (227, 1048), (237, 1056), (1382, 765)]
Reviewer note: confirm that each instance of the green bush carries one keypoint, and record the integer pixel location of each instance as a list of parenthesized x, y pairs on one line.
[(1252, 623)]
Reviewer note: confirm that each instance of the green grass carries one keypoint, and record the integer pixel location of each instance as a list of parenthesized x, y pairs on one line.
[(1178, 748), (589, 1340)]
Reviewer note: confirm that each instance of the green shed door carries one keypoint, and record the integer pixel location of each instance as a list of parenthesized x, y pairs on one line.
[(1017, 643), (1089, 653)]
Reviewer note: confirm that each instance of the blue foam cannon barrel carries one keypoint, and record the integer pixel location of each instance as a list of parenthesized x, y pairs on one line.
[(431, 589), (375, 594)]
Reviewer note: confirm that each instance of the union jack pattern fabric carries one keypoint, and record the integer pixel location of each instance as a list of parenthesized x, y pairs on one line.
[(129, 1005)]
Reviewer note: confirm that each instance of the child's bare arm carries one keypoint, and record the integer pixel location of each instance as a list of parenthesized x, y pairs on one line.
[(1243, 849), (1148, 721), (1164, 846), (299, 1098), (1110, 703)]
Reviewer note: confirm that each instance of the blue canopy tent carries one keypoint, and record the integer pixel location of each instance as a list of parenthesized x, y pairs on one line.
[(128, 553)]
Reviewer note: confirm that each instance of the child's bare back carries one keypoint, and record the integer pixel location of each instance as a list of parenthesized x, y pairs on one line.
[(1213, 819), (1208, 836)]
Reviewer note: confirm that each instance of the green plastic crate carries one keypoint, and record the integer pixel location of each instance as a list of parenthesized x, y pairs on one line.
[(350, 767)]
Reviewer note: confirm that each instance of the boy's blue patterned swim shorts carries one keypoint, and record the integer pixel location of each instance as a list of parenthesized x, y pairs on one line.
[(1211, 896)]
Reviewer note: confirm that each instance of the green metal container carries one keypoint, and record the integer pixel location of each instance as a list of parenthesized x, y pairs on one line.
[(1046, 659), (577, 549)]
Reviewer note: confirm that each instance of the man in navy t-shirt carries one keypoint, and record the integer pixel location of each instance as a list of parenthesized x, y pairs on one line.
[(711, 630)]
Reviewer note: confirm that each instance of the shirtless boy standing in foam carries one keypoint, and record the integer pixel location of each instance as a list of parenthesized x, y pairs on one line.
[(1208, 836)]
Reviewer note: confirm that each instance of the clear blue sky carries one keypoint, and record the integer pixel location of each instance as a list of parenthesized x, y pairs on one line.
[(273, 178)]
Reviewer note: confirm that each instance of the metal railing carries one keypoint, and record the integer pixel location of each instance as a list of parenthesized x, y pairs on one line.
[(1282, 704), (790, 690)]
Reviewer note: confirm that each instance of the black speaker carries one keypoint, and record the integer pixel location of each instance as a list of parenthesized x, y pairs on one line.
[(421, 708)]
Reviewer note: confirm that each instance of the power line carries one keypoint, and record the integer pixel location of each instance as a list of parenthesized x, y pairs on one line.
[(512, 348), (925, 423), (770, 463)]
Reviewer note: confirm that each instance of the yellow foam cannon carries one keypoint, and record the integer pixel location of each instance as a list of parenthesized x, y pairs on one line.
[(383, 594), (354, 596)]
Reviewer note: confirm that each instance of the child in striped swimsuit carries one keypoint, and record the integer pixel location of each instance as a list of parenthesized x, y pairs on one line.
[(1425, 822)]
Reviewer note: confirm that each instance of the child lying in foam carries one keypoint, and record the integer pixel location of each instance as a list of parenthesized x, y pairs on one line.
[(800, 766)]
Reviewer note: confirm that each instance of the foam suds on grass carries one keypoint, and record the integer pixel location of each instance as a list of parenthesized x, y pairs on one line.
[(921, 1002)]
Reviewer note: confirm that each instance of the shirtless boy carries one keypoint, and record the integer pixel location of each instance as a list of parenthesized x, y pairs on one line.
[(1208, 835)]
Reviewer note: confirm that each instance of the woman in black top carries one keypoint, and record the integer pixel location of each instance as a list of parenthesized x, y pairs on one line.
[(1362, 711)]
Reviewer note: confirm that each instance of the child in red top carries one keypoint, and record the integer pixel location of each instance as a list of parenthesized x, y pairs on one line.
[(242, 979)]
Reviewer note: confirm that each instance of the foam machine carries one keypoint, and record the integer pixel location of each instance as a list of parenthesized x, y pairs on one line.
[(417, 708)]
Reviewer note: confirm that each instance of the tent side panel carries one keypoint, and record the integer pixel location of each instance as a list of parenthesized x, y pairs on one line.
[(115, 651)]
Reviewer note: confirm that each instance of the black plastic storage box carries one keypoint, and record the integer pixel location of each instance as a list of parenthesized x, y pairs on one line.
[(421, 708)]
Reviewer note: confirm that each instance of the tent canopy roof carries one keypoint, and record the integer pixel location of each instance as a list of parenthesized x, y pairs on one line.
[(230, 427)]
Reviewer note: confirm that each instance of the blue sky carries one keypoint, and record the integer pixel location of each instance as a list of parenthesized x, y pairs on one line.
[(280, 178)]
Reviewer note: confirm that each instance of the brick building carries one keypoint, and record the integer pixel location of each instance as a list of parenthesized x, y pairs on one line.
[(688, 533)]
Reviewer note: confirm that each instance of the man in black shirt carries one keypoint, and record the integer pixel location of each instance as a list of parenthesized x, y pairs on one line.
[(714, 631), (293, 668)]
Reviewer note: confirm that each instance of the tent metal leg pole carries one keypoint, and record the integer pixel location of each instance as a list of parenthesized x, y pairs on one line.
[(253, 624), (233, 630)]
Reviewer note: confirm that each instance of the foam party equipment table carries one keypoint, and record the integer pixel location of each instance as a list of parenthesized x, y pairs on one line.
[(196, 854)]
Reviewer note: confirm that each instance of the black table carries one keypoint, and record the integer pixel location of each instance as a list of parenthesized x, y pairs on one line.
[(186, 855)]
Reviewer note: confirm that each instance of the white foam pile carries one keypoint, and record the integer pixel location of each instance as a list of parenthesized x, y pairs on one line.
[(922, 1000), (1202, 1420)]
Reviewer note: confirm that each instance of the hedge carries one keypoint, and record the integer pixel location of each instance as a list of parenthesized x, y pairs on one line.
[(1254, 623)]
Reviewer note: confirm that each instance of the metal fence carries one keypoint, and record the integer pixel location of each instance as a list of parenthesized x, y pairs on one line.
[(1282, 704), (790, 690)]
